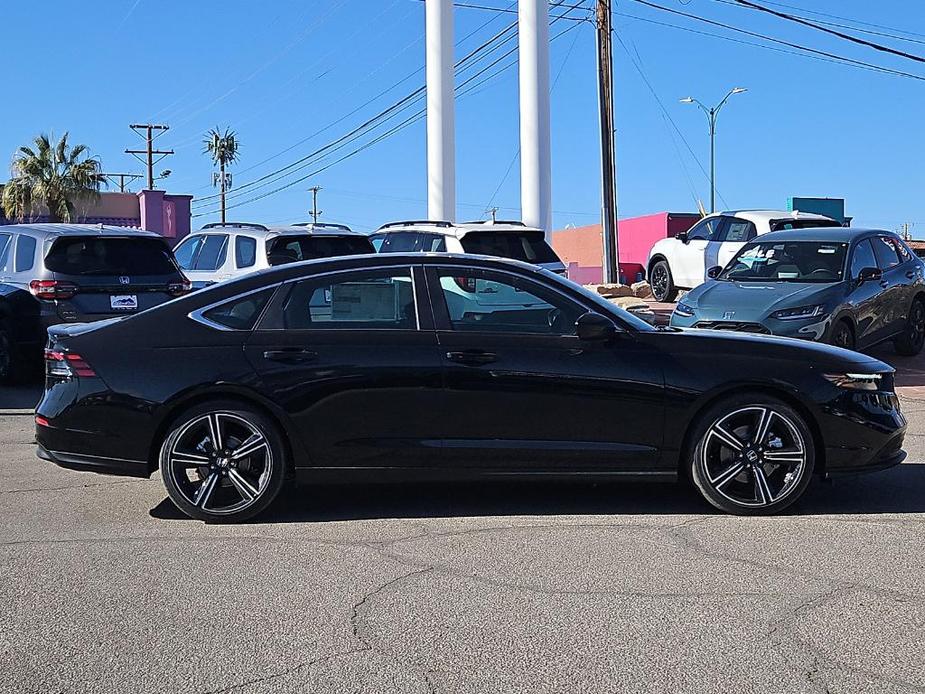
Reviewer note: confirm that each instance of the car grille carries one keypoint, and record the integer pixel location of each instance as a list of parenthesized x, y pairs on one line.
[(732, 325)]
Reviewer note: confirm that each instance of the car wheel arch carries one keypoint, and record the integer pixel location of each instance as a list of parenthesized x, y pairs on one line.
[(652, 261), (174, 409), (789, 397)]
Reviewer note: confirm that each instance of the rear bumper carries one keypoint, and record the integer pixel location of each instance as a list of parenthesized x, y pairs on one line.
[(92, 463)]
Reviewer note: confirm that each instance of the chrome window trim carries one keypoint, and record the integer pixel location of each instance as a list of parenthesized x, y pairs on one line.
[(199, 317)]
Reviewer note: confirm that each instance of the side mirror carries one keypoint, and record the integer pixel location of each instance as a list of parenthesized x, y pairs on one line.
[(714, 271), (594, 327), (869, 274), (682, 237)]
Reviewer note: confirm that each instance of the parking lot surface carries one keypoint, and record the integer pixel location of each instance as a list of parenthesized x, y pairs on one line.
[(493, 587)]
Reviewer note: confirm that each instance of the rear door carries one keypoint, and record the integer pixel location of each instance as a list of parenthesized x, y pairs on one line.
[(112, 274), (360, 374), (736, 233)]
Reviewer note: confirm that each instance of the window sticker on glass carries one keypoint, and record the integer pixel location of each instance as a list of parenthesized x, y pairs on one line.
[(365, 301), (827, 250)]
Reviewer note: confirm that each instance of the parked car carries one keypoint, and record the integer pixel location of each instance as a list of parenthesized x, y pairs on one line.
[(681, 262), (853, 288), (235, 390), (218, 252), (70, 273)]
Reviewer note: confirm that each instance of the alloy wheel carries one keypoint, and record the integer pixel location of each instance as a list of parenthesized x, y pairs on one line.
[(843, 337), (220, 463), (660, 282), (754, 456)]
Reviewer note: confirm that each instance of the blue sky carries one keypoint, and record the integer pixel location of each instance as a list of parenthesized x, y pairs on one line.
[(279, 72)]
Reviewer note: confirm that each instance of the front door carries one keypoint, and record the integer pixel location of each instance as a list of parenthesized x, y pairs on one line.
[(700, 253), (523, 392), (354, 362)]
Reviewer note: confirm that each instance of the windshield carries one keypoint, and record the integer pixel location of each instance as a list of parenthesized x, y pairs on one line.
[(789, 261), (529, 246), (108, 255), (291, 249)]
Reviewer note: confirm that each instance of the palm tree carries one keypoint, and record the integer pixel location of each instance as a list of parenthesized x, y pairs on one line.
[(55, 176), (223, 146)]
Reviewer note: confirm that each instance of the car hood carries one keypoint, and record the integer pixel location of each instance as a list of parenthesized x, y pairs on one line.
[(755, 300), (778, 351)]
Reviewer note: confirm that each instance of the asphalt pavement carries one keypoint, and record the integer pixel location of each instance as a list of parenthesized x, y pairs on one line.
[(492, 587)]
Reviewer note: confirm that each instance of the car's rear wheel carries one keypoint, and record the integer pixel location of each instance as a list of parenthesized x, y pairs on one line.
[(223, 462), (662, 283), (912, 339), (842, 335), (753, 455)]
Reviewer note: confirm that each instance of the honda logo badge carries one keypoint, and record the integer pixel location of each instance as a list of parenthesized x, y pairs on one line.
[(728, 315), (125, 280)]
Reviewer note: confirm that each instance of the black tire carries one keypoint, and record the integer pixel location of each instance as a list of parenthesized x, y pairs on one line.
[(842, 335), (233, 483), (662, 283), (762, 477), (912, 339)]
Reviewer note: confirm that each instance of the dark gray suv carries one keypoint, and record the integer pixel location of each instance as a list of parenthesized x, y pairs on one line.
[(75, 273)]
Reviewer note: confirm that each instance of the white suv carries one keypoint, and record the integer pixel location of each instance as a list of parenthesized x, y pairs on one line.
[(222, 251), (682, 261)]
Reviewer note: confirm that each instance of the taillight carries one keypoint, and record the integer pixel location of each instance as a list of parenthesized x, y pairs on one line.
[(180, 288), (467, 284), (52, 289), (66, 364), (41, 421)]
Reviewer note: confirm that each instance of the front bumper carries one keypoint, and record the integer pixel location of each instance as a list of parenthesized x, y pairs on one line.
[(816, 329)]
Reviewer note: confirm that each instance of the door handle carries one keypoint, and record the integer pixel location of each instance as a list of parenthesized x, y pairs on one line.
[(472, 357), (290, 356), (884, 284), (911, 275)]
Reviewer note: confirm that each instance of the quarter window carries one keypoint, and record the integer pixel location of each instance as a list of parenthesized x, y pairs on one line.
[(367, 300), (863, 258), (433, 243), (485, 301), (887, 257), (25, 253), (241, 313), (245, 251)]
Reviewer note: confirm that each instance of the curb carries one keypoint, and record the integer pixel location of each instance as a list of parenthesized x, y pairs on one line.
[(7, 412)]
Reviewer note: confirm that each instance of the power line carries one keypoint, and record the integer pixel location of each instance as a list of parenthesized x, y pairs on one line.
[(844, 19), (833, 32), (400, 126), (833, 56)]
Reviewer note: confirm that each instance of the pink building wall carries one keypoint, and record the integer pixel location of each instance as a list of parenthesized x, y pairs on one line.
[(582, 249)]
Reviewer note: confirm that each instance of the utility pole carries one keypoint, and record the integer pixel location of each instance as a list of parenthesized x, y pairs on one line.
[(315, 211), (124, 179), (608, 156), (146, 130), (493, 211)]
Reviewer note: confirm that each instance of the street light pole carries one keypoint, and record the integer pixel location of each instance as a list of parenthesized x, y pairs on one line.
[(712, 113)]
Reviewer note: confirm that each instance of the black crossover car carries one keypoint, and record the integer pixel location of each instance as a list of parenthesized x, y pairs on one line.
[(393, 365), (74, 273)]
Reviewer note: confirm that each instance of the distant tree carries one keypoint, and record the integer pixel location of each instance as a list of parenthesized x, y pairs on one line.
[(54, 175), (223, 146)]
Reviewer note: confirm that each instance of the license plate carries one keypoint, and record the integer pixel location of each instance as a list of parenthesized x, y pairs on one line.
[(124, 302)]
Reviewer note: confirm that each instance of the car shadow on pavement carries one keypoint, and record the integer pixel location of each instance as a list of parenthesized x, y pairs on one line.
[(899, 490)]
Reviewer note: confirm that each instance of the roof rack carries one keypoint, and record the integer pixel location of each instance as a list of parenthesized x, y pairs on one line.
[(325, 225), (416, 222), (512, 222), (235, 225)]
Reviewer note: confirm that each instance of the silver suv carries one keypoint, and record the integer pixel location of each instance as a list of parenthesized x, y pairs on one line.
[(219, 252)]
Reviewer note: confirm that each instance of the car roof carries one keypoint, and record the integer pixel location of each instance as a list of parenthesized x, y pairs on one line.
[(769, 215), (457, 229), (263, 231), (834, 233), (315, 230), (55, 230)]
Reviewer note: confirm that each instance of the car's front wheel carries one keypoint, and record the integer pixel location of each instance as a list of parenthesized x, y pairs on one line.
[(912, 339), (223, 462), (662, 283), (752, 456)]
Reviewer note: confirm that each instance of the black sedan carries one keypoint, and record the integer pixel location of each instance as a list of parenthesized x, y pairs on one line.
[(410, 366)]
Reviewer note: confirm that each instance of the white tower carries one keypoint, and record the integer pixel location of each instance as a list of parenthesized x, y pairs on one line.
[(441, 120), (535, 160)]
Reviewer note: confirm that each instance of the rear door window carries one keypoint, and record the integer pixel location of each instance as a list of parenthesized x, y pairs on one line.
[(245, 251), (707, 230), (887, 257), (110, 255), (433, 243), (212, 254), (25, 253), (529, 246), (739, 231)]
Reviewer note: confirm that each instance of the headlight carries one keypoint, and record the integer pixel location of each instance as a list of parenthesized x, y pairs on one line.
[(798, 313), (855, 381), (684, 310)]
